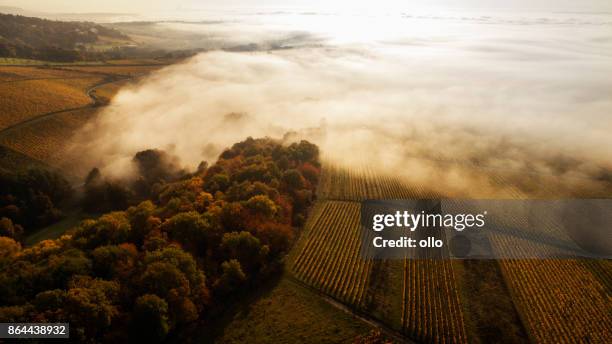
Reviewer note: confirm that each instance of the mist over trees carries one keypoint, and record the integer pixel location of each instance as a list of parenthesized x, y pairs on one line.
[(182, 247)]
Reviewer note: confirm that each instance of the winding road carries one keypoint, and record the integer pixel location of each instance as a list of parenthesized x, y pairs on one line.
[(95, 102), (109, 78)]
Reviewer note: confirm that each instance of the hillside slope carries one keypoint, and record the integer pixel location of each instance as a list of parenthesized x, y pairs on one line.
[(35, 38)]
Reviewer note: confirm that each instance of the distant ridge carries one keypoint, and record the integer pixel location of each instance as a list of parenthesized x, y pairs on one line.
[(51, 40)]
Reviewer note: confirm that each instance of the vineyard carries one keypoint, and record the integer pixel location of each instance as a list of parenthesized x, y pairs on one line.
[(116, 69), (361, 183), (45, 140), (426, 305), (559, 300), (106, 92), (43, 106), (17, 74), (330, 258), (432, 312), (555, 300), (26, 99)]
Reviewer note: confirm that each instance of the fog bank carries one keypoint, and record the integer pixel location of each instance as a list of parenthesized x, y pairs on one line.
[(472, 96)]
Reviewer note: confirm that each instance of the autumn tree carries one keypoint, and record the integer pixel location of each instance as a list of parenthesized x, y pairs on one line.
[(150, 322), (144, 272), (231, 279)]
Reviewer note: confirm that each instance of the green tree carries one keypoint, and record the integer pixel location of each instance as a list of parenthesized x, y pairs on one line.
[(232, 277), (111, 228), (8, 229), (246, 248), (304, 152), (160, 278), (50, 300), (91, 306), (218, 182), (110, 260), (60, 268), (190, 229), (150, 323), (138, 217), (185, 263)]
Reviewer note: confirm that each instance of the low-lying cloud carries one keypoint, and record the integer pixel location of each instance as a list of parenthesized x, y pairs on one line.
[(440, 107)]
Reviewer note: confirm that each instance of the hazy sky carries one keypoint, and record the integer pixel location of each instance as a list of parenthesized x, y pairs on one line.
[(149, 5)]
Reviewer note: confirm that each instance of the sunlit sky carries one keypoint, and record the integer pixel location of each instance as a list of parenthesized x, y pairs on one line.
[(157, 5)]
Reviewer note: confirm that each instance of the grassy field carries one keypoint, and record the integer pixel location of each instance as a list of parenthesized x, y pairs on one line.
[(20, 61), (384, 291), (29, 62), (57, 229), (290, 313), (143, 61), (490, 314)]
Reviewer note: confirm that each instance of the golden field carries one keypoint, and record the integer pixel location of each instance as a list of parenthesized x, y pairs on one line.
[(28, 99), (14, 73), (42, 106), (117, 70)]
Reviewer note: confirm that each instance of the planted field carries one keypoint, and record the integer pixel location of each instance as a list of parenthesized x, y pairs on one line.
[(12, 161), (143, 61), (13, 74), (490, 313), (46, 139), (417, 298), (106, 92), (550, 301), (358, 184), (20, 61), (560, 301), (24, 100), (42, 107), (432, 312), (291, 313), (329, 259), (129, 70)]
